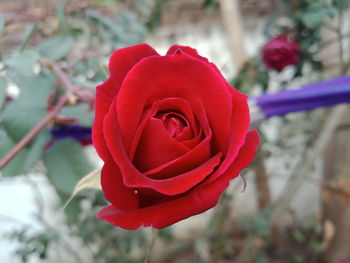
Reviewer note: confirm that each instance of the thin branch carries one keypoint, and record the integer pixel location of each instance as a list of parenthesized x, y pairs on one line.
[(340, 39), (300, 174), (77, 59), (61, 75), (34, 131), (335, 40), (153, 242), (69, 97), (262, 182)]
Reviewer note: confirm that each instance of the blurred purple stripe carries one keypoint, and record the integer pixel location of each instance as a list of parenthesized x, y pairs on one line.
[(322, 94), (79, 133)]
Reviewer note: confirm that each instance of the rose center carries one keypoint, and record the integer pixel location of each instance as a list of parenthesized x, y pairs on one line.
[(174, 123)]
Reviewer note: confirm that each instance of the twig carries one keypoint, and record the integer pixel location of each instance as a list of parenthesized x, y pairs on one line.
[(153, 241), (334, 40), (70, 87), (69, 97), (301, 173), (35, 130), (262, 182), (340, 39), (84, 55)]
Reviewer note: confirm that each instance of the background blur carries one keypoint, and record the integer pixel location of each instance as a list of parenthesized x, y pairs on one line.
[(296, 207)]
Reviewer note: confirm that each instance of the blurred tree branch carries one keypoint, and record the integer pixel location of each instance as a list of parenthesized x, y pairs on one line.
[(69, 97)]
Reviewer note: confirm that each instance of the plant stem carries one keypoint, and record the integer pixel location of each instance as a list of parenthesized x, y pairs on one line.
[(69, 97), (61, 75), (301, 173), (153, 241), (35, 130)]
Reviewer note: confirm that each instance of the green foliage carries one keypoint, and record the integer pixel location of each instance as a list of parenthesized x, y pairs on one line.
[(30, 108), (259, 224), (154, 18), (29, 31), (16, 166), (32, 245), (314, 13), (341, 5), (82, 113), (96, 30), (60, 12), (85, 32), (253, 73), (125, 30), (24, 63), (56, 48), (210, 5), (35, 149), (66, 164)]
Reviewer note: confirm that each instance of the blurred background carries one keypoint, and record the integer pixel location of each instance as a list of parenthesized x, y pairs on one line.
[(296, 204)]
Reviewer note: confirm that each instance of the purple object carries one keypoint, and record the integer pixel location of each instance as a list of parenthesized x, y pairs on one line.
[(322, 94), (79, 133)]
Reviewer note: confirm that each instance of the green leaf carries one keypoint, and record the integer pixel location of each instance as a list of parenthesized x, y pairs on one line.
[(24, 63), (262, 78), (36, 149), (66, 164), (90, 181), (81, 112), (298, 236), (56, 48), (341, 4), (15, 166), (29, 30), (2, 90), (30, 108), (60, 12), (2, 22), (316, 13)]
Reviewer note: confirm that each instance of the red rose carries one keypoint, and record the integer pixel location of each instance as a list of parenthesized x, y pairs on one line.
[(280, 52), (172, 134)]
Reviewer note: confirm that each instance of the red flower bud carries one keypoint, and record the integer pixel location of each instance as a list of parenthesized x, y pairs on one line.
[(279, 52)]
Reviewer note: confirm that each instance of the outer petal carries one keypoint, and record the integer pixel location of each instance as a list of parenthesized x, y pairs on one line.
[(114, 189), (239, 126), (192, 203), (190, 51), (121, 62)]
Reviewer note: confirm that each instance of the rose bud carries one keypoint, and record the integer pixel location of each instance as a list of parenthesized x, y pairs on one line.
[(279, 53), (172, 134)]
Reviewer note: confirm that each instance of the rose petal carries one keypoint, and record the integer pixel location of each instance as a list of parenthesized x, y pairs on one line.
[(176, 104), (156, 147), (155, 78), (195, 202), (114, 189), (188, 50), (187, 162), (133, 178), (121, 62), (239, 125)]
